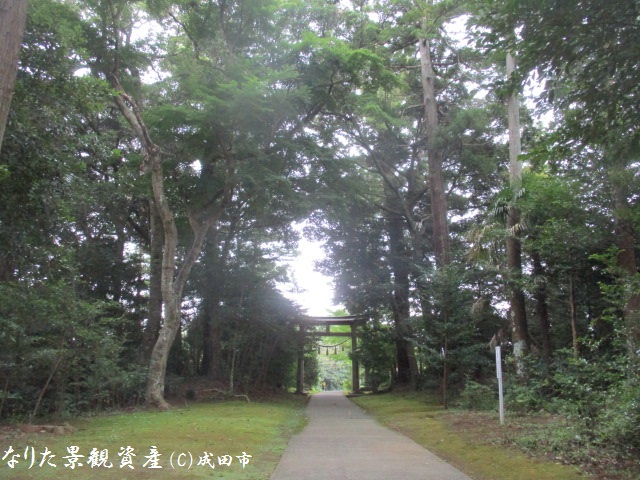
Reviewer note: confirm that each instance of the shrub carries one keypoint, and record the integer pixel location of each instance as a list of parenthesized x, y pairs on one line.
[(476, 396), (619, 420)]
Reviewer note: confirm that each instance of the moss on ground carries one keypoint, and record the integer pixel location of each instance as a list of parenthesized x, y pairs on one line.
[(260, 429), (467, 446)]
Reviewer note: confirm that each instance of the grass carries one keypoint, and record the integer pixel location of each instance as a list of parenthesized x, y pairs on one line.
[(465, 440), (261, 430)]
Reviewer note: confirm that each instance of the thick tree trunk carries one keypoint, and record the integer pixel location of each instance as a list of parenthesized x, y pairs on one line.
[(628, 264), (171, 294), (13, 16), (211, 349), (160, 354), (173, 282), (405, 359), (173, 278), (518, 313), (434, 154), (542, 310), (154, 320)]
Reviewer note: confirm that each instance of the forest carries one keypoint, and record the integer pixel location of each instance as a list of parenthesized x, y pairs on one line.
[(471, 167)]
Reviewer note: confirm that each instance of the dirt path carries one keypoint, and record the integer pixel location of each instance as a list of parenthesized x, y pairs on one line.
[(341, 442)]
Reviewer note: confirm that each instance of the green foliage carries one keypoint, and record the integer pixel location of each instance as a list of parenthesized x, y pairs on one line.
[(334, 371), (63, 349), (616, 292), (477, 396), (311, 369), (48, 138), (449, 343), (244, 324), (584, 384), (522, 399), (597, 403), (269, 112), (376, 354), (619, 427), (592, 79)]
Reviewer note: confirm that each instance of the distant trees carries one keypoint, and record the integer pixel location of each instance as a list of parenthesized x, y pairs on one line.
[(421, 140), (148, 187)]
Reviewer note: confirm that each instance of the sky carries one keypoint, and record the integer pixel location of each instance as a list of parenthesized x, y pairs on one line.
[(313, 291)]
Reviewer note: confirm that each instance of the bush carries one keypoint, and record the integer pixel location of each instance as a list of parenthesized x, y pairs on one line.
[(477, 396), (619, 420), (61, 354), (521, 399)]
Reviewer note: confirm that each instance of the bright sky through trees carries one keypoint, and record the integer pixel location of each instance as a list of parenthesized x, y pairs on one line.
[(310, 289)]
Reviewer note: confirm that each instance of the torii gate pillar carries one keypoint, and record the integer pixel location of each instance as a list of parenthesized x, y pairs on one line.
[(355, 365), (300, 375)]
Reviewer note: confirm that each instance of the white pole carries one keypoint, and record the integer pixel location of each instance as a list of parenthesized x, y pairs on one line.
[(499, 375)]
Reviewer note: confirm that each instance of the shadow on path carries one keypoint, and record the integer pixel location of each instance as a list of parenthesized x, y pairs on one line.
[(341, 442)]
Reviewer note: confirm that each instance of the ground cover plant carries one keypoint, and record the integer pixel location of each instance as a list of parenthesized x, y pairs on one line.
[(235, 428), (473, 442)]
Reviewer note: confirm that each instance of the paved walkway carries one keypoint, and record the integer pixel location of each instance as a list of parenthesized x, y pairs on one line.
[(341, 442)]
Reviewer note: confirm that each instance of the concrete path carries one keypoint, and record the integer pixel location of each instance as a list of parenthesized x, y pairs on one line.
[(341, 442)]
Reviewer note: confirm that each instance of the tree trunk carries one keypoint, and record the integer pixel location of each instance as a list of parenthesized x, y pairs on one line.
[(406, 363), (542, 309), (445, 375), (154, 320), (211, 350), (574, 319), (13, 16), (173, 278), (434, 154), (627, 262), (518, 313), (171, 293), (173, 282)]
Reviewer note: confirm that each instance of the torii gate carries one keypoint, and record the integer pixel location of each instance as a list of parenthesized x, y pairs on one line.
[(306, 322)]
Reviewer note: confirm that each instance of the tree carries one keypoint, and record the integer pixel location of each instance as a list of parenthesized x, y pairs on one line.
[(230, 103), (518, 312), (70, 310), (592, 85), (405, 172), (434, 154), (13, 16)]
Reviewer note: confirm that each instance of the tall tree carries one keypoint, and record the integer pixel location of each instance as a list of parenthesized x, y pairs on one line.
[(70, 288), (518, 311), (174, 278), (434, 155), (13, 16), (585, 52), (228, 116), (114, 31), (421, 121)]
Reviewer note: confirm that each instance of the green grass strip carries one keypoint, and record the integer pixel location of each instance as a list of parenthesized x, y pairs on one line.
[(428, 424), (259, 429)]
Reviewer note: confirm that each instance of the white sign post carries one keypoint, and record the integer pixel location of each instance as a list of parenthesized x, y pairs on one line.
[(499, 375)]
